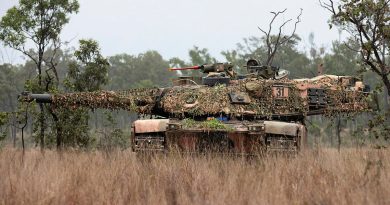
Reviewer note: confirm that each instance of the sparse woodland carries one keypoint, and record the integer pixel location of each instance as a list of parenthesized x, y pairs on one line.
[(55, 68), (90, 161)]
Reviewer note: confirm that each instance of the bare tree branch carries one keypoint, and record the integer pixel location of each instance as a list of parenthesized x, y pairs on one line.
[(350, 48), (295, 26), (274, 42), (56, 44), (330, 7)]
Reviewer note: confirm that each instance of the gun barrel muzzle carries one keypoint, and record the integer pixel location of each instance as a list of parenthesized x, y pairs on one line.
[(39, 98)]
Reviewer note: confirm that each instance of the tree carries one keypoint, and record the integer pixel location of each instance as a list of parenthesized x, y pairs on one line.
[(145, 69), (368, 22), (342, 60), (89, 71), (253, 48), (3, 121), (38, 23), (200, 56), (86, 73), (11, 83)]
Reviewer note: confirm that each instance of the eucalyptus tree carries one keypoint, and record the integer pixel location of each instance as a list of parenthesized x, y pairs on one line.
[(368, 23), (32, 27)]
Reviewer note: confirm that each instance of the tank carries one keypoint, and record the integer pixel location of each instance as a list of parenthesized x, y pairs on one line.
[(224, 112)]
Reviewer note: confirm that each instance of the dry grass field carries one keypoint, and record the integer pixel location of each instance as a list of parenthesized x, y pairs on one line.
[(353, 176)]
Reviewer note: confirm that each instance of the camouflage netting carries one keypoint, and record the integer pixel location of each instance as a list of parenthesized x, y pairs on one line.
[(215, 100), (342, 99), (346, 102), (136, 100), (185, 101)]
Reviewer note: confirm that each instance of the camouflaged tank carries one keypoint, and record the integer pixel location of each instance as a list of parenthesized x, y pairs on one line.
[(225, 112)]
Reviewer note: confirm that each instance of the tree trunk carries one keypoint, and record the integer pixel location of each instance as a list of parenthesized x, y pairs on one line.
[(42, 126), (23, 139), (385, 78), (338, 130), (331, 141), (13, 130), (40, 83), (386, 81), (386, 99), (58, 128)]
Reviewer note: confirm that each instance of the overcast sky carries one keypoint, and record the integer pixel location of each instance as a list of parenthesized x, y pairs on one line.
[(172, 27)]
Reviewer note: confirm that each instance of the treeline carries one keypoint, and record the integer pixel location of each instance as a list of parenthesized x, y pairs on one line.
[(149, 69), (33, 28)]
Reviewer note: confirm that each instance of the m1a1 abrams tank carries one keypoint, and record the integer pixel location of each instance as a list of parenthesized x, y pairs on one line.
[(224, 112)]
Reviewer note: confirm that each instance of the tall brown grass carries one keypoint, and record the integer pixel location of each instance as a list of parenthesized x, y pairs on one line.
[(353, 176)]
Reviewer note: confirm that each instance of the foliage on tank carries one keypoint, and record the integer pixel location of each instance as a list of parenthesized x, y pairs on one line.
[(216, 100), (211, 124), (136, 100)]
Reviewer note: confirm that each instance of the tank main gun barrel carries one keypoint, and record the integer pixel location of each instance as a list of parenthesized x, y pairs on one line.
[(39, 98), (140, 100)]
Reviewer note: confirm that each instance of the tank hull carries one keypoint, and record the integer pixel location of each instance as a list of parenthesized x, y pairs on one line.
[(248, 138)]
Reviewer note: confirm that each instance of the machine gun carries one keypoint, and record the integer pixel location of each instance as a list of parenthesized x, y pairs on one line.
[(264, 71), (247, 115)]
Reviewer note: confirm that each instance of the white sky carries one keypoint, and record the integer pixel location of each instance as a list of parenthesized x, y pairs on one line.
[(172, 27)]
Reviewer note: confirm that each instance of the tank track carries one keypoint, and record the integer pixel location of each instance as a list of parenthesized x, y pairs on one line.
[(152, 143), (281, 144), (273, 144)]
